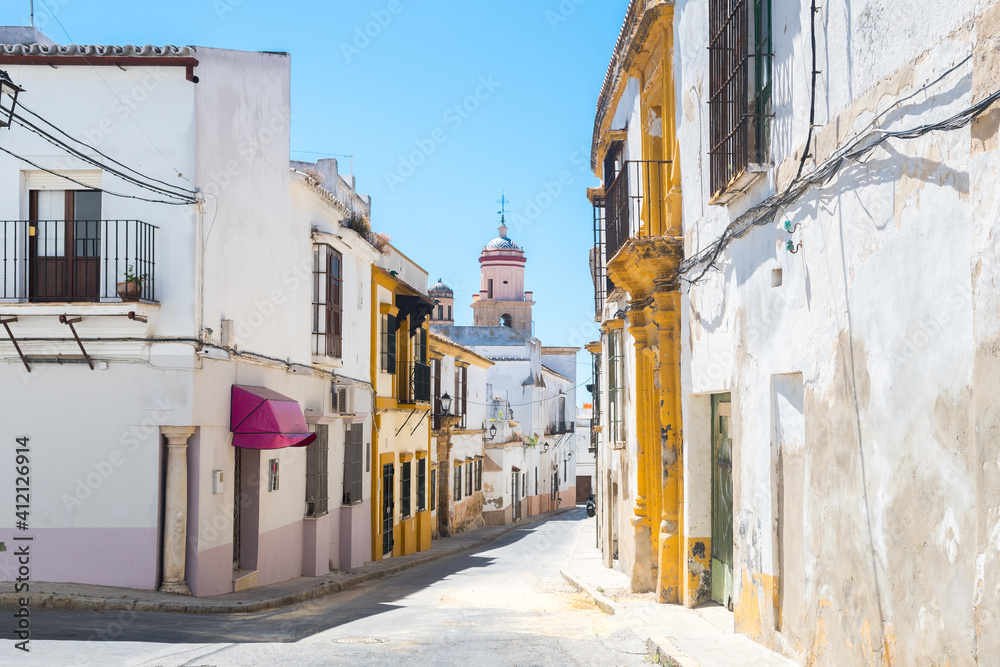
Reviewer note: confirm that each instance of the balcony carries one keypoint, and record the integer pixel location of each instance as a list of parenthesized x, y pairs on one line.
[(634, 203), (47, 261), (414, 379), (556, 428)]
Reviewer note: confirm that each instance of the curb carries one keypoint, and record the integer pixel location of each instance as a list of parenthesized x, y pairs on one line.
[(180, 606)]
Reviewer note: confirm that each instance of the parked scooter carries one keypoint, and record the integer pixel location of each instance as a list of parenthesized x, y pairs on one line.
[(591, 505)]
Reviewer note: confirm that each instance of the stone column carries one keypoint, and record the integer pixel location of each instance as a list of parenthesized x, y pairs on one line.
[(175, 516)]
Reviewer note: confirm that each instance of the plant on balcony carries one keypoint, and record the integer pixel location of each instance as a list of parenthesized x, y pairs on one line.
[(131, 288), (531, 440)]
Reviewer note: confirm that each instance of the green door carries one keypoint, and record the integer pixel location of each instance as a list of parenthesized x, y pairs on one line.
[(722, 502)]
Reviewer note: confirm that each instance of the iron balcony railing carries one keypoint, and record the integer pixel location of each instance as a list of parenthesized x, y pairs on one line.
[(77, 260), (634, 203), (599, 269), (555, 428), (414, 382)]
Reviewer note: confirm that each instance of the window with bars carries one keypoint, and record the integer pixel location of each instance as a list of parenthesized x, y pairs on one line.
[(458, 482), (468, 478), (616, 390), (740, 52), (318, 473), (354, 444), (434, 486), (404, 489), (479, 474), (421, 485), (461, 402), (436, 393), (596, 412), (387, 351), (328, 304)]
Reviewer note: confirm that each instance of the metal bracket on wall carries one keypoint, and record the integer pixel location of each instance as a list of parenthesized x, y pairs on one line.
[(70, 322), (406, 420), (6, 325)]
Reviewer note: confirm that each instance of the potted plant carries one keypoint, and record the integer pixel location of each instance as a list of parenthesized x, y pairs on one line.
[(131, 288)]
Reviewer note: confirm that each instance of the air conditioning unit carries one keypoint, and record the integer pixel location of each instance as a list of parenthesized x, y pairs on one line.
[(342, 399)]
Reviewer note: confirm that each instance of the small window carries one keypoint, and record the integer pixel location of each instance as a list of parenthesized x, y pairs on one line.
[(507, 321), (354, 444), (272, 477), (468, 478), (489, 288), (421, 485), (317, 473), (387, 353), (479, 474), (404, 490), (434, 480), (327, 301), (458, 482), (449, 313)]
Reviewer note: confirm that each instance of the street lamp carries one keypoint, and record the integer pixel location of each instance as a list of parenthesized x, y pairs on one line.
[(545, 447), (12, 89), (493, 433), (446, 404)]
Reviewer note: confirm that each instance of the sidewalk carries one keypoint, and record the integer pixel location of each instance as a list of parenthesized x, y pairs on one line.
[(110, 598), (702, 637)]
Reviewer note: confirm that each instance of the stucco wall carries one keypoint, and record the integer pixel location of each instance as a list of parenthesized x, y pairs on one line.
[(873, 344)]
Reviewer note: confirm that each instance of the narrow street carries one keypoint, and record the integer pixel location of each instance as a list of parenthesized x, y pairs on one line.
[(504, 604)]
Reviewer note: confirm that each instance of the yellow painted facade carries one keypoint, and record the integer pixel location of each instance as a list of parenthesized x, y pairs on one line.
[(667, 559), (401, 428)]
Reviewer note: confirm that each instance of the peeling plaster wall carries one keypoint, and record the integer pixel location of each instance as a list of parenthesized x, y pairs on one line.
[(889, 313)]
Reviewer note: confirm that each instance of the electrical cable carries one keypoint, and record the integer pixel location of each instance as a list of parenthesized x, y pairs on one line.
[(88, 187), (187, 199), (108, 86), (857, 149), (102, 154)]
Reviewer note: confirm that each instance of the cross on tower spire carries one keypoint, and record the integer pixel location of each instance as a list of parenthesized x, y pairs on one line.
[(503, 201)]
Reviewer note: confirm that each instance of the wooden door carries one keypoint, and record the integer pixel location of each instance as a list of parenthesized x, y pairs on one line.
[(722, 501), (65, 247)]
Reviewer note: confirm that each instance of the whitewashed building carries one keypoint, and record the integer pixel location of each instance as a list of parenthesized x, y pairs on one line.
[(841, 329), (174, 313), (529, 466)]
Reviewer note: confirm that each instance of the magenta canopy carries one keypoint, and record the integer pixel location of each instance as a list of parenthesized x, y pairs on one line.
[(265, 419)]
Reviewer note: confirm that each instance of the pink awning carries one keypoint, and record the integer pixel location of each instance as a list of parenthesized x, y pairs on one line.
[(265, 419)]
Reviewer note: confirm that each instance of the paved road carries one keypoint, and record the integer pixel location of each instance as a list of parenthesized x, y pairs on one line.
[(504, 604)]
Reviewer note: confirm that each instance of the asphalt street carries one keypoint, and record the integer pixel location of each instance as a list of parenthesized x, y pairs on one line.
[(504, 604)]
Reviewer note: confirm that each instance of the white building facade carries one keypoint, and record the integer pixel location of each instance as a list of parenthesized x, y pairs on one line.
[(136, 326)]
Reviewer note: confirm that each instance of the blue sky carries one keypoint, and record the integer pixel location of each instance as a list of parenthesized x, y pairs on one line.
[(443, 104)]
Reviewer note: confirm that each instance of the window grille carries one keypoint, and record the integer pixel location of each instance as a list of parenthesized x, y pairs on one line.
[(740, 95), (458, 482), (354, 444), (434, 479), (272, 477), (327, 301), (317, 473), (461, 403), (479, 474), (421, 485), (404, 490), (387, 353), (468, 478), (616, 375)]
